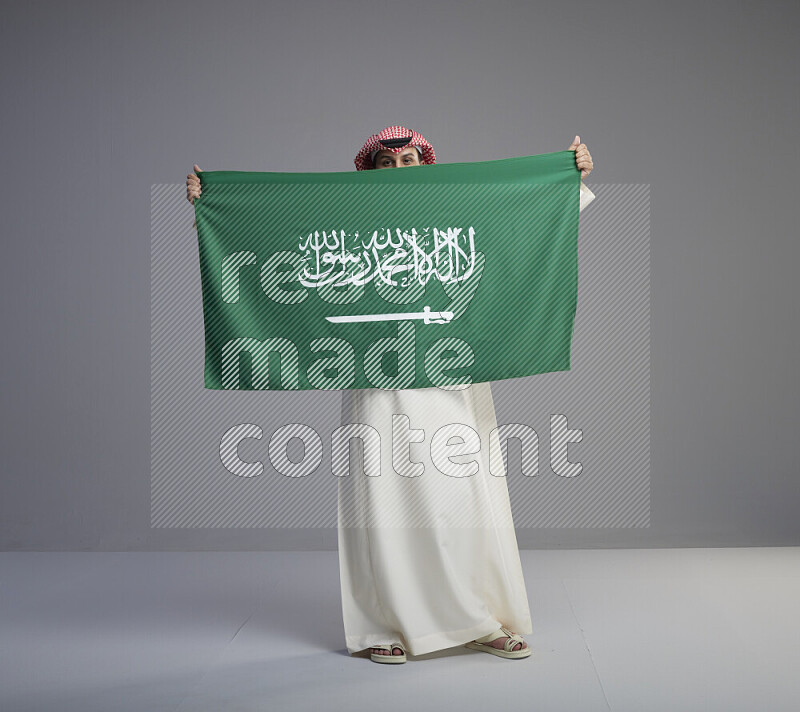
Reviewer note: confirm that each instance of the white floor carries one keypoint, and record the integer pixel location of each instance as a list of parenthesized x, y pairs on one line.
[(625, 630)]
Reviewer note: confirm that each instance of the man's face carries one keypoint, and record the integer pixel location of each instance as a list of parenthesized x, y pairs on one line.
[(409, 156)]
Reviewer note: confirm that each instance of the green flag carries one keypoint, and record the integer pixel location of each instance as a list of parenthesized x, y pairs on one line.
[(433, 275)]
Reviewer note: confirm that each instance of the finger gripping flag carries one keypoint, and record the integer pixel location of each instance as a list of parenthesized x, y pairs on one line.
[(433, 275)]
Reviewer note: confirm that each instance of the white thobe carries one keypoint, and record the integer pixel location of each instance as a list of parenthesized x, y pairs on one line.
[(428, 556)]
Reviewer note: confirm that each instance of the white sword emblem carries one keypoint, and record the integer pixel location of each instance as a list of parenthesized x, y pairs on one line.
[(426, 315)]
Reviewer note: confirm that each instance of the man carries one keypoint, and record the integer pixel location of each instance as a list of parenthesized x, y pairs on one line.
[(431, 586)]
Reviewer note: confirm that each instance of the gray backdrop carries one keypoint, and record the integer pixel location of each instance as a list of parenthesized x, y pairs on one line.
[(103, 100)]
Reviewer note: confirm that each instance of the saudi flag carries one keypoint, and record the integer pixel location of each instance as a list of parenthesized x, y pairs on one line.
[(433, 275)]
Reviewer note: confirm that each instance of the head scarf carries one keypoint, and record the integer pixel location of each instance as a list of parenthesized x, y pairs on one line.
[(394, 139)]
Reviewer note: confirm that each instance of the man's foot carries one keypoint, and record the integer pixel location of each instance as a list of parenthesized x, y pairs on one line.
[(381, 651), (500, 642)]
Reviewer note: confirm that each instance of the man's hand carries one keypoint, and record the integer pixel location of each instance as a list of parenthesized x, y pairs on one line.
[(583, 159), (193, 185)]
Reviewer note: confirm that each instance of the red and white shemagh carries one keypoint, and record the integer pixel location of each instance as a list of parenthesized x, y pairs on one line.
[(394, 139)]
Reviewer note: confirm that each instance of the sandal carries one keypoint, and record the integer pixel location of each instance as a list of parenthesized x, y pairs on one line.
[(391, 657), (507, 651)]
